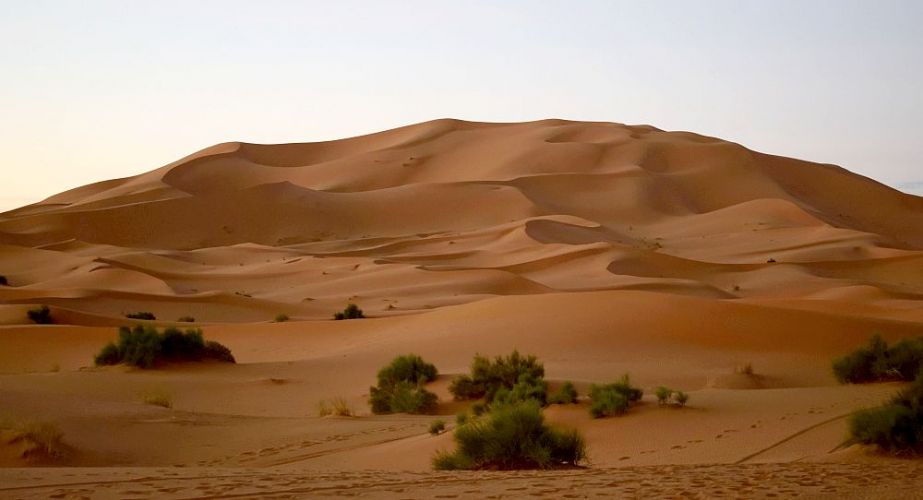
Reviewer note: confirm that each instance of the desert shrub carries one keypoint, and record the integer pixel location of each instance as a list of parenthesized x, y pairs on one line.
[(141, 315), (42, 440), (143, 346), (461, 418), (478, 409), (663, 395), (437, 427), (505, 372), (528, 387), (40, 316), (400, 387), (3, 281), (681, 398), (335, 406), (895, 427), (281, 318), (744, 369), (186, 319), (613, 399), (158, 398), (566, 395), (352, 311), (878, 362), (218, 352), (512, 436)]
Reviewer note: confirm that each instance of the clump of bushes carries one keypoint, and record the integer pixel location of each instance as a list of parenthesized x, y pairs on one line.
[(518, 377), (400, 387), (613, 399), (281, 318), (512, 436), (141, 315), (437, 427), (40, 316), (352, 311), (879, 362), (144, 347), (896, 427), (667, 396), (186, 319), (566, 395)]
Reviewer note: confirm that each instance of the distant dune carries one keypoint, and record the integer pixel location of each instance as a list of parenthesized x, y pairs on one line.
[(602, 248)]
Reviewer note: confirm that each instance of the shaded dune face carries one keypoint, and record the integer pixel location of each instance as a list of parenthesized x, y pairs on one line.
[(449, 212)]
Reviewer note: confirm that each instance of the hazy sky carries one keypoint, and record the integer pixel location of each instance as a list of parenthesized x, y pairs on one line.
[(92, 90)]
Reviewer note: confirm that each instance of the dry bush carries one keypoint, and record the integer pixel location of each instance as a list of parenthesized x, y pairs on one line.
[(336, 406), (40, 440), (158, 397)]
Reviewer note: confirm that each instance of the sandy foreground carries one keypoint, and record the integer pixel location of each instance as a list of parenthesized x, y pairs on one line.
[(601, 248)]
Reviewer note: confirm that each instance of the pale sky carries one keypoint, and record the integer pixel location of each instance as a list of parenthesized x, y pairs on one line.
[(93, 90)]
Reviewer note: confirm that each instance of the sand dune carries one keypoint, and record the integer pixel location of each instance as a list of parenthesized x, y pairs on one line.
[(602, 248)]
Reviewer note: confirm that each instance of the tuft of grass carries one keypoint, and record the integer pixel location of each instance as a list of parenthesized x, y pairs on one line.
[(336, 406), (40, 316), (40, 440), (437, 427), (158, 397)]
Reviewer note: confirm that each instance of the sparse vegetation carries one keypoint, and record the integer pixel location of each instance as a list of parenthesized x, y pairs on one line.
[(878, 362), (400, 387), (437, 427), (518, 376), (144, 347), (352, 311), (512, 436), (744, 369), (895, 427), (145, 315), (38, 440), (681, 398), (667, 396), (186, 319), (566, 395), (461, 418), (663, 394), (40, 316), (3, 281), (613, 399), (158, 397), (336, 406), (281, 318)]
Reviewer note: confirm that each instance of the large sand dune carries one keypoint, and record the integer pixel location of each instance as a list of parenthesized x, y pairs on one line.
[(602, 248)]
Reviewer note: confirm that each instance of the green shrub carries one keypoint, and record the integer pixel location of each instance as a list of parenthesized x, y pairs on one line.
[(352, 311), (505, 372), (281, 318), (681, 398), (878, 362), (143, 346), (437, 427), (566, 395), (186, 319), (461, 418), (613, 399), (400, 387), (141, 315), (896, 427), (526, 388), (663, 395), (40, 316), (512, 436)]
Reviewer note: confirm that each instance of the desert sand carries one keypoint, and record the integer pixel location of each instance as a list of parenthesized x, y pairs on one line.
[(601, 248)]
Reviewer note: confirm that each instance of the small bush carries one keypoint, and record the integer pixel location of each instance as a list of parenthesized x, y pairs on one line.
[(566, 395), (505, 372), (400, 387), (143, 346), (42, 440), (186, 319), (613, 399), (3, 281), (40, 316), (744, 369), (681, 398), (663, 395), (352, 311), (437, 427), (281, 318), (878, 362), (158, 398), (141, 315), (336, 406), (512, 437), (461, 418)]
